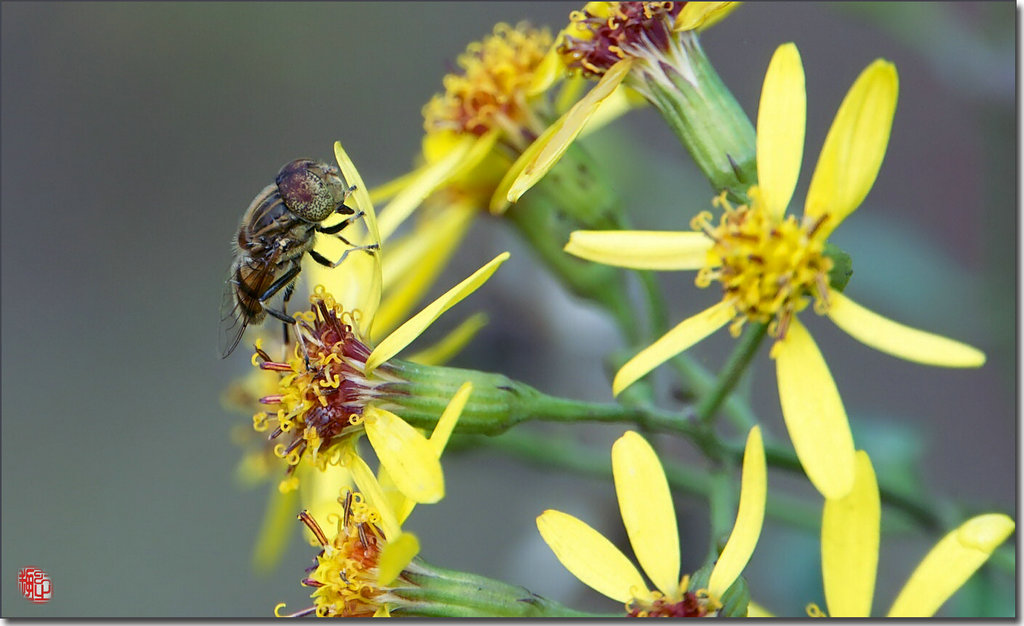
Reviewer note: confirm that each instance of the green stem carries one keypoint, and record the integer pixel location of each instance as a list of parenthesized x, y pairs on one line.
[(731, 373), (721, 505), (694, 376)]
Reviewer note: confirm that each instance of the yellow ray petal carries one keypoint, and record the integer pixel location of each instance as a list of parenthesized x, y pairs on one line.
[(399, 503), (814, 413), (617, 104), (423, 255), (359, 285), (950, 563), (898, 340), (321, 488), (781, 119), (397, 553), (446, 423), (402, 505), (389, 189), (749, 517), (849, 544), (567, 128), (589, 556), (430, 178), (648, 514), (382, 611), (407, 332), (700, 15), (453, 343), (408, 456), (756, 610), (854, 147), (684, 335), (548, 71), (276, 529), (641, 249), (366, 484)]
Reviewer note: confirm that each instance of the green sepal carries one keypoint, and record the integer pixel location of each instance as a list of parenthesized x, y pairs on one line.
[(734, 600), (707, 120), (429, 591)]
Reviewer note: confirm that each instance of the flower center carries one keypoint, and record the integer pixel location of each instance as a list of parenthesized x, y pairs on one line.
[(323, 388), (491, 91), (604, 33), (769, 270), (697, 603), (345, 573)]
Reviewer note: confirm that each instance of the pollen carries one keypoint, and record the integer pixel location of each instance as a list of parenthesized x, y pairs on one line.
[(322, 390), (604, 33), (769, 270), (345, 571), (491, 90)]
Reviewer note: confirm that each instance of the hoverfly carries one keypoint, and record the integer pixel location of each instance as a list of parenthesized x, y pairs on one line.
[(275, 232)]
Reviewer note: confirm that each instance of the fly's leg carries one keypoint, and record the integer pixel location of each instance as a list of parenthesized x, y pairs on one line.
[(322, 260)]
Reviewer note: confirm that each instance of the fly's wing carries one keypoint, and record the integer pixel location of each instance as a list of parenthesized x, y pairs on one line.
[(233, 318), (240, 301), (356, 282)]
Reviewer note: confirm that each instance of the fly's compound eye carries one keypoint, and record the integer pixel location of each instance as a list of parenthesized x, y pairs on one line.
[(310, 189)]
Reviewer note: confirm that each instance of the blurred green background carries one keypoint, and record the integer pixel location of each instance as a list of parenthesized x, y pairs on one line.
[(134, 136)]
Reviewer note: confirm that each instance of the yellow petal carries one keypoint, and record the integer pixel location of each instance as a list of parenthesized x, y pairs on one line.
[(389, 189), (407, 332), (359, 285), (276, 529), (648, 514), (854, 147), (554, 145), (617, 104), (814, 413), (446, 423), (589, 556), (412, 267), (366, 484), (898, 340), (399, 503), (700, 15), (756, 610), (849, 544), (749, 517), (430, 178), (397, 553), (781, 119), (548, 71), (641, 249), (408, 456), (684, 335), (321, 488), (382, 611), (950, 563), (452, 343)]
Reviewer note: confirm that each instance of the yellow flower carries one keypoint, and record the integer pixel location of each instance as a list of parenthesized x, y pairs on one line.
[(771, 266), (490, 112), (850, 553), (649, 517), (329, 387), (637, 44), (369, 551)]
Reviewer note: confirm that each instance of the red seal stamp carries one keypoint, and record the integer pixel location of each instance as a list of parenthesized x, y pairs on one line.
[(35, 585)]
